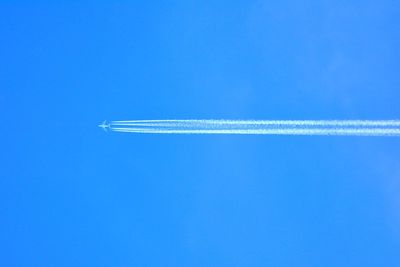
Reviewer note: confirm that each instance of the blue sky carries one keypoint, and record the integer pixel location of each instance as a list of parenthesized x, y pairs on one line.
[(72, 195)]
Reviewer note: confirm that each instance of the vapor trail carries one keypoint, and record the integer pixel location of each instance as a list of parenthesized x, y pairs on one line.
[(355, 132), (267, 122), (258, 127)]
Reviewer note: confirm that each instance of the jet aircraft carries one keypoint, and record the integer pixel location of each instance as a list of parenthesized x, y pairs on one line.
[(105, 125)]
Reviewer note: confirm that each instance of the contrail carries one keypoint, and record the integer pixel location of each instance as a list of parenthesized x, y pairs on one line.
[(258, 127)]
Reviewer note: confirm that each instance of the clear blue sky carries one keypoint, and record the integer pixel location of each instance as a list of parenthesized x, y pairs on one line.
[(73, 195)]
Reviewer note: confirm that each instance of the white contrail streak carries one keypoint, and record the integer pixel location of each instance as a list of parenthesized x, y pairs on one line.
[(260, 127), (270, 122), (359, 132)]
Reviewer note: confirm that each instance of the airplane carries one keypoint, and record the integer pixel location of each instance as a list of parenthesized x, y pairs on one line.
[(105, 125)]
